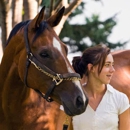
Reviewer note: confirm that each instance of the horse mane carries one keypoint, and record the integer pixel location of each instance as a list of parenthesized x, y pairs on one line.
[(16, 29)]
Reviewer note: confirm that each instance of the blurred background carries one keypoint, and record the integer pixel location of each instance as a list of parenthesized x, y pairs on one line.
[(85, 22)]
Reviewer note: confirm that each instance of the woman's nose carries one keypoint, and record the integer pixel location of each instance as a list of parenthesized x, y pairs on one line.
[(112, 69)]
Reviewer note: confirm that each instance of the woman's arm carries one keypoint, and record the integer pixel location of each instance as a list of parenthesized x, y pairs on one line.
[(124, 120)]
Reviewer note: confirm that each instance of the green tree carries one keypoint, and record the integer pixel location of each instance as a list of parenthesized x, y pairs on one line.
[(94, 30)]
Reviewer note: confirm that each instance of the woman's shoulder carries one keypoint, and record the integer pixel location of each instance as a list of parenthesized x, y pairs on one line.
[(120, 99), (115, 91)]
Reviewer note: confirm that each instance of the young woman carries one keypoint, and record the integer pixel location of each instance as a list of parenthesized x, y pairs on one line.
[(108, 109)]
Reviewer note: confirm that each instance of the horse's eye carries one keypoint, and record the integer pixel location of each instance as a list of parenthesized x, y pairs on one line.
[(44, 55)]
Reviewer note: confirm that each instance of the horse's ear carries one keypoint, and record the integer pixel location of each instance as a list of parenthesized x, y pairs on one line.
[(56, 18), (38, 19)]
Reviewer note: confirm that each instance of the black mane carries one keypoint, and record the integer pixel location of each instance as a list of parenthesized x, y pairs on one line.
[(15, 30), (38, 30)]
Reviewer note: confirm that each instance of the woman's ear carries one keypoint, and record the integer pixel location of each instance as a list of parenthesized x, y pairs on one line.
[(90, 67)]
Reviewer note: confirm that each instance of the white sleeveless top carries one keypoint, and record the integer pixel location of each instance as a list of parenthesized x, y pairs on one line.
[(105, 117)]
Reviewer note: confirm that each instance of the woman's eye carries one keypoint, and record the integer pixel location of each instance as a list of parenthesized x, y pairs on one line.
[(106, 65), (44, 55)]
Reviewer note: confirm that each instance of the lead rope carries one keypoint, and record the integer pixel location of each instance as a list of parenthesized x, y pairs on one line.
[(66, 123)]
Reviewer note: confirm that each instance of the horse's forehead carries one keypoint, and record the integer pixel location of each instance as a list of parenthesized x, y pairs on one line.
[(57, 45)]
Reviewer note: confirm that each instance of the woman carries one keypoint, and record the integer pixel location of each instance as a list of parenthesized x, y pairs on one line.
[(108, 109)]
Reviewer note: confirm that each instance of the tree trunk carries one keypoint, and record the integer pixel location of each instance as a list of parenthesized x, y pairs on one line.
[(2, 22), (5, 17), (69, 8), (17, 8), (30, 9)]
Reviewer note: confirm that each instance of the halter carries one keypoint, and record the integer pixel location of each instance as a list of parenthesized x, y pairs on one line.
[(56, 78)]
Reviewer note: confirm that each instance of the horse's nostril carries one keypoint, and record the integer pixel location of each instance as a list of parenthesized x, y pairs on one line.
[(79, 102)]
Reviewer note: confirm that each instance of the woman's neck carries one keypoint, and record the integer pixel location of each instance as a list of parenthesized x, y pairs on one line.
[(92, 86), (94, 89)]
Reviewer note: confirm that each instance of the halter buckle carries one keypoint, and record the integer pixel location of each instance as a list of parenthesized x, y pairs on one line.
[(57, 79)]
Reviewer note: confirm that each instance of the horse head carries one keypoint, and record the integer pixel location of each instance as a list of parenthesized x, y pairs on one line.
[(44, 67)]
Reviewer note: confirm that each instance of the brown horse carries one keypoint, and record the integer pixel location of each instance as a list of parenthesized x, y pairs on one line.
[(121, 76), (35, 66)]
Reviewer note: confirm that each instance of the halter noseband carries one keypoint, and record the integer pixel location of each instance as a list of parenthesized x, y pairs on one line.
[(56, 78)]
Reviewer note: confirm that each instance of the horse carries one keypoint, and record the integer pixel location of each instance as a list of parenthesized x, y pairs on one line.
[(121, 76), (36, 77)]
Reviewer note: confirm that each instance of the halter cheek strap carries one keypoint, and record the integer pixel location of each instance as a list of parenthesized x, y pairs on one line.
[(28, 62)]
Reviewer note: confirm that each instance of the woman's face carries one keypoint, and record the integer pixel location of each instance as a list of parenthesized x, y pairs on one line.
[(107, 70)]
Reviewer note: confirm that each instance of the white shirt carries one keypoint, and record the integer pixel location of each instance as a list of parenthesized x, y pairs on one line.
[(105, 117)]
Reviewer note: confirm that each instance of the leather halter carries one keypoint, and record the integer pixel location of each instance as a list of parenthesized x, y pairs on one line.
[(56, 78)]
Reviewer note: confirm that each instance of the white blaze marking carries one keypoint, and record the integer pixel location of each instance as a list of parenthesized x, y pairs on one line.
[(57, 45), (79, 86)]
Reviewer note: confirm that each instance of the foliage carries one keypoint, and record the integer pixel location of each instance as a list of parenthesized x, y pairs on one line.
[(45, 3), (93, 32)]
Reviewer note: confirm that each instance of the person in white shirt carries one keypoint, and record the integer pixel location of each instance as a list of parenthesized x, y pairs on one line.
[(108, 109)]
